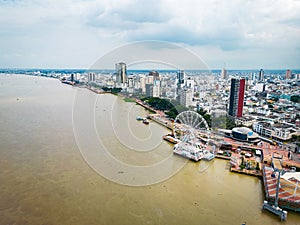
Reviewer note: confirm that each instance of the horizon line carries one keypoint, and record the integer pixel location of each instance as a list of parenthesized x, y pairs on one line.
[(87, 69)]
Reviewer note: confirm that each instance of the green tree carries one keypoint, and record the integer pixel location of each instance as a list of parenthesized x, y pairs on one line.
[(295, 98), (205, 115), (229, 123)]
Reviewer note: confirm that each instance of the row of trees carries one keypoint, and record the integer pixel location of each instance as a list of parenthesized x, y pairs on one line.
[(112, 90), (172, 108)]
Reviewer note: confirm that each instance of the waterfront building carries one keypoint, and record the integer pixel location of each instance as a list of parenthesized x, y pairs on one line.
[(153, 90), (276, 131), (244, 134), (121, 73), (149, 90), (143, 83), (236, 100), (263, 128), (156, 91)]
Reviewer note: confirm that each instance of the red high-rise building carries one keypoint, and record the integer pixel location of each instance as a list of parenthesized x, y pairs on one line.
[(236, 101)]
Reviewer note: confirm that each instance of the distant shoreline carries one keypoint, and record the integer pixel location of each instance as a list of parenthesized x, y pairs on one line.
[(47, 70)]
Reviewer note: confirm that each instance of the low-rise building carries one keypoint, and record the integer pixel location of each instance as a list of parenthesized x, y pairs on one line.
[(276, 131)]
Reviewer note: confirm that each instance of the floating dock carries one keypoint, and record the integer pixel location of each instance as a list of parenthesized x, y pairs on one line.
[(171, 139)]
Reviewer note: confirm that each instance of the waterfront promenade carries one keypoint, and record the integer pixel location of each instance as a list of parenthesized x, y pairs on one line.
[(289, 194)]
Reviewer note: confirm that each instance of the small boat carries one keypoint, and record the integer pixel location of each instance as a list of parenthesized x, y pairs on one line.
[(145, 121), (208, 155), (139, 118), (171, 139)]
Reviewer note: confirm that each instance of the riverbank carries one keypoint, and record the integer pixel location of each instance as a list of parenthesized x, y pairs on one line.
[(160, 118)]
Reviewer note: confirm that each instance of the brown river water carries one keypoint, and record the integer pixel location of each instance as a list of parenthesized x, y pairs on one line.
[(46, 178)]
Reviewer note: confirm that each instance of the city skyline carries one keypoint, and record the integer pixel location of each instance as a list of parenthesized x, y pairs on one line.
[(69, 34)]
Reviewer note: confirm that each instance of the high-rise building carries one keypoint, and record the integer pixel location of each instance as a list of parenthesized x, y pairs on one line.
[(236, 101), (150, 80), (156, 88), (247, 84), (154, 74), (224, 74), (250, 76), (143, 83), (91, 77), (186, 97), (261, 75), (180, 81), (180, 76), (121, 73), (190, 83), (288, 74), (149, 90), (130, 82)]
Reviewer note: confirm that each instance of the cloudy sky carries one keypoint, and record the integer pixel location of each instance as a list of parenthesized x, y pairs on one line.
[(243, 34)]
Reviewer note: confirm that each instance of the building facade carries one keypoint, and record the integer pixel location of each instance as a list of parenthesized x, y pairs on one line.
[(121, 73), (91, 77), (186, 97), (279, 131), (288, 74), (149, 90), (224, 74), (236, 100), (261, 75)]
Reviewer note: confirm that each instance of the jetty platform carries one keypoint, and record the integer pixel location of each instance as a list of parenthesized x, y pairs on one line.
[(289, 192)]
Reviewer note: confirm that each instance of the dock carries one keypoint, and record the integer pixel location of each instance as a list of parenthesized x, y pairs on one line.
[(255, 173), (288, 194), (161, 120), (222, 157)]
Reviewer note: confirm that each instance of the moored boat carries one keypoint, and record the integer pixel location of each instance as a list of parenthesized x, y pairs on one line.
[(208, 155), (139, 118), (171, 139), (193, 152), (145, 121)]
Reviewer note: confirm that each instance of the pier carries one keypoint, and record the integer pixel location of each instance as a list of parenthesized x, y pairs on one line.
[(288, 193), (161, 120)]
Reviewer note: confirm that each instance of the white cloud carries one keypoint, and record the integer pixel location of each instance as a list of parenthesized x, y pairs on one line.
[(75, 33)]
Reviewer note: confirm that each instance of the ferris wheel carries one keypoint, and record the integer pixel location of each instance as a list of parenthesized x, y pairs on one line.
[(187, 124)]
